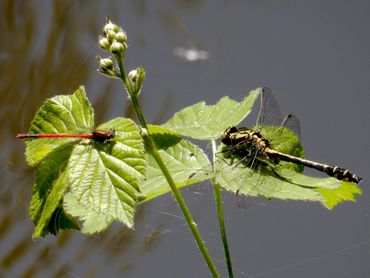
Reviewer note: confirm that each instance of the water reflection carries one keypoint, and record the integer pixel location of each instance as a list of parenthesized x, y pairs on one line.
[(48, 48), (191, 52), (44, 54)]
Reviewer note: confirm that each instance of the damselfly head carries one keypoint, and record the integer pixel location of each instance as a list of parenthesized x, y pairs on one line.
[(111, 133), (101, 136)]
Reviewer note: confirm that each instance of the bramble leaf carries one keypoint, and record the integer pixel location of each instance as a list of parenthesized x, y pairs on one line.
[(206, 122), (187, 163), (48, 190), (95, 181), (346, 191), (104, 179), (60, 114), (283, 180)]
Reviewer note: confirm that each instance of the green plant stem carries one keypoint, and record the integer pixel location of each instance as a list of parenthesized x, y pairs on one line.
[(185, 211), (218, 199), (152, 149), (133, 97)]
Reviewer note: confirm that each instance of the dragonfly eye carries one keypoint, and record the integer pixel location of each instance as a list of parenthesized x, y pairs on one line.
[(225, 136)]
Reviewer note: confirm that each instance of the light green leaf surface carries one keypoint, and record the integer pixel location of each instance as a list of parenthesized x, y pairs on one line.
[(242, 180), (204, 122), (61, 114), (48, 190), (346, 191), (187, 163), (102, 178), (333, 191)]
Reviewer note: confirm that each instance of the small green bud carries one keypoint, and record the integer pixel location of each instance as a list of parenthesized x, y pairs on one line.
[(132, 75), (110, 27), (107, 67), (104, 43), (117, 48), (111, 36), (106, 64), (121, 36), (136, 77)]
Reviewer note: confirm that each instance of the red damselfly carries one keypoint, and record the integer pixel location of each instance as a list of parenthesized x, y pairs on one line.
[(95, 135)]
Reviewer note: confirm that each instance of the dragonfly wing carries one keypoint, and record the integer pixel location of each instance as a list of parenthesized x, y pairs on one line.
[(244, 177), (269, 113), (292, 122)]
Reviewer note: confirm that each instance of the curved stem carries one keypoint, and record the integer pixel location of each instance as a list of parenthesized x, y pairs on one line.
[(152, 149), (185, 211), (218, 199)]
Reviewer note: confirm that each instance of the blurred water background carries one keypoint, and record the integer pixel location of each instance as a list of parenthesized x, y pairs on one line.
[(315, 55)]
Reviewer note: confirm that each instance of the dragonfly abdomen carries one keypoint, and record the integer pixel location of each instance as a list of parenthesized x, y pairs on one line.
[(250, 144), (333, 171)]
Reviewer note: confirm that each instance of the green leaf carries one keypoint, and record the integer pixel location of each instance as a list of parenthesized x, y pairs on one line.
[(49, 188), (262, 182), (102, 178), (205, 122), (283, 180), (334, 191), (60, 220), (346, 191), (60, 114), (187, 163), (284, 140)]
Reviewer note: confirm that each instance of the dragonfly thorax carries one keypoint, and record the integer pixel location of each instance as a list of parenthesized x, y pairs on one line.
[(245, 141)]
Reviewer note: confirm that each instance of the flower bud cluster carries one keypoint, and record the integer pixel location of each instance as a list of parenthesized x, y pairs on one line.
[(113, 41)]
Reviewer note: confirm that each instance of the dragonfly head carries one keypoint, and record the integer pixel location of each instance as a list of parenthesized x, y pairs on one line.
[(226, 135)]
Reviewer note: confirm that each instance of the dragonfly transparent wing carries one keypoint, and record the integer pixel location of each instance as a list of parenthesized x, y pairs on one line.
[(251, 176), (198, 181), (269, 112), (246, 180), (292, 122)]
